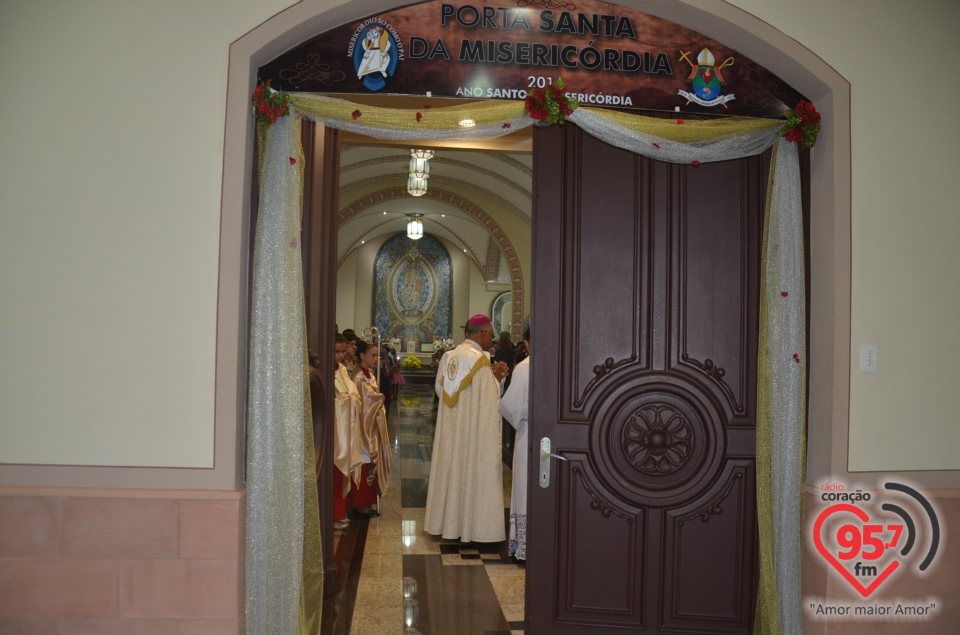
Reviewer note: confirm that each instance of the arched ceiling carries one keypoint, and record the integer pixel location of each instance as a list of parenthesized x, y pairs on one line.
[(503, 178)]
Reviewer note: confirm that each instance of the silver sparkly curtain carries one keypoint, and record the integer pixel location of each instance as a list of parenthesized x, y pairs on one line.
[(782, 382), (275, 454)]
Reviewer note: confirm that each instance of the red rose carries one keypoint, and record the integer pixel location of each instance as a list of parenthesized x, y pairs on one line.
[(506, 126), (356, 114), (419, 116), (794, 134), (696, 163), (293, 161)]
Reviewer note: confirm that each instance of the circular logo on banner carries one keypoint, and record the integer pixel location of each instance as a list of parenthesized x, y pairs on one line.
[(376, 49)]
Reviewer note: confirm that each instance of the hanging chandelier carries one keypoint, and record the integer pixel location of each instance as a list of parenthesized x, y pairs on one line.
[(414, 226), (419, 172)]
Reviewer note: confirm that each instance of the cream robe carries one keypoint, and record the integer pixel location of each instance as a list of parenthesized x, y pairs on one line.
[(465, 491), (373, 427), (347, 450), (515, 409)]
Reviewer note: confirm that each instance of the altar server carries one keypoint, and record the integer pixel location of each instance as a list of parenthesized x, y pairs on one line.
[(515, 409), (347, 453), (374, 436)]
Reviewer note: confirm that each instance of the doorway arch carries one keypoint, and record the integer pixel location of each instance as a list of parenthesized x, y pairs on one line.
[(830, 250)]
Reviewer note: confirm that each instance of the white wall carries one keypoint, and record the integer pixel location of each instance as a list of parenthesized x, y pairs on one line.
[(906, 221), (111, 163), (347, 293), (111, 157)]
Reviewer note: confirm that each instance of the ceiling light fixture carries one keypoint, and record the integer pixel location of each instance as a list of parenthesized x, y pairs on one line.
[(416, 187), (414, 226), (419, 171)]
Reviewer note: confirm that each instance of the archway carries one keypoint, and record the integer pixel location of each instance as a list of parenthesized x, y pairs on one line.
[(830, 249), (828, 335)]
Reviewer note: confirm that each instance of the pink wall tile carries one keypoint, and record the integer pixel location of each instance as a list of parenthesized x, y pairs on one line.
[(28, 627), (210, 529), (119, 627), (121, 527), (53, 587), (179, 588), (29, 525), (210, 627)]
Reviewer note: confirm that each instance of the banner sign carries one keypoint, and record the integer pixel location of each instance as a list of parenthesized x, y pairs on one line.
[(875, 543), (607, 54)]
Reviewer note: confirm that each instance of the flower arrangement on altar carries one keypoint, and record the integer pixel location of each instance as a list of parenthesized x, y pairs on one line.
[(268, 104), (411, 362), (803, 125), (551, 104), (445, 344)]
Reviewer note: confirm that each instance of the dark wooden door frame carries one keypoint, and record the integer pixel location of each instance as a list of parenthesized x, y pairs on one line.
[(321, 188)]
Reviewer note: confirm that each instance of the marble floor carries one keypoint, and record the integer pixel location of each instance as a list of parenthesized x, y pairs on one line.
[(398, 580)]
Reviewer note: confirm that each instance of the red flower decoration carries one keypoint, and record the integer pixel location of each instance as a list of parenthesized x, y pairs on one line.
[(269, 105), (356, 114), (679, 120), (419, 116), (784, 293), (796, 358), (803, 125), (506, 126), (293, 161), (696, 163), (551, 104)]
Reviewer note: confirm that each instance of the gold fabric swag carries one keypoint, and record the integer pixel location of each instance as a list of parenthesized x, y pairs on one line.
[(283, 556)]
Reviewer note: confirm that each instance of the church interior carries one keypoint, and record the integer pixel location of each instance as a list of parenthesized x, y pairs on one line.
[(415, 265)]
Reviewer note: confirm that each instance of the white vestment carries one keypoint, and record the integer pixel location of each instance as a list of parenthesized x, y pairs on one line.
[(465, 491), (515, 409)]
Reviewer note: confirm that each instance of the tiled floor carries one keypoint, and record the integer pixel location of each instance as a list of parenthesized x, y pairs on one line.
[(399, 580)]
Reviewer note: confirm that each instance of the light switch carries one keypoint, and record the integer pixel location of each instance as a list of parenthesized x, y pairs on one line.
[(868, 359)]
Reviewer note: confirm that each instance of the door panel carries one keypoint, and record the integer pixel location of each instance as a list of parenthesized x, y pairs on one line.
[(645, 296)]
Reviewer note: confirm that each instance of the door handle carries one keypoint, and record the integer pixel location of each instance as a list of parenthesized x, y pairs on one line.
[(545, 456)]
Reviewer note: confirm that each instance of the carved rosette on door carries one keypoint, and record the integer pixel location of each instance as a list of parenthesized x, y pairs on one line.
[(657, 439), (660, 440)]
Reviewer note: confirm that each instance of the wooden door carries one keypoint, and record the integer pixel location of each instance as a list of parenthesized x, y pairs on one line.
[(644, 314)]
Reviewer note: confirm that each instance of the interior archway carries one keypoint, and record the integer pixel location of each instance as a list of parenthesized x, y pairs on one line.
[(829, 323)]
